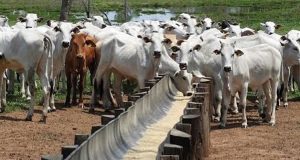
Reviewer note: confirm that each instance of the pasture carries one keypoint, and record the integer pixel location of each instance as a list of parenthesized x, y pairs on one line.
[(29, 140)]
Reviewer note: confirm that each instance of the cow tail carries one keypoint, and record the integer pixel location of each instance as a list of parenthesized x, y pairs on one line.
[(49, 64)]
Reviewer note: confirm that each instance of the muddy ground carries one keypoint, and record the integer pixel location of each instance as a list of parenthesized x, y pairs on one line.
[(20, 140)]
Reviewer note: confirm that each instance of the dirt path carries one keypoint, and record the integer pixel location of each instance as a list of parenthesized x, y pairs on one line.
[(20, 140), (259, 141)]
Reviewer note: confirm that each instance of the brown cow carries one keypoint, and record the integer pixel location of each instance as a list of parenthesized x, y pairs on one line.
[(81, 55)]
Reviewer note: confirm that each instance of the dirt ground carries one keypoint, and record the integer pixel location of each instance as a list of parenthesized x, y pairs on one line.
[(20, 140), (259, 140)]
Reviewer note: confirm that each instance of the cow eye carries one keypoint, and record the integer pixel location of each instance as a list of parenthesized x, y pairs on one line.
[(190, 50)]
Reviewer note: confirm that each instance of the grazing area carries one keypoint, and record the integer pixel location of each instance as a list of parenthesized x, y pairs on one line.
[(150, 77)]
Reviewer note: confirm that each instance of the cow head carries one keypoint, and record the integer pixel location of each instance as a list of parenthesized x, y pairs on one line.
[(227, 52), (82, 46), (207, 23), (65, 30), (291, 51), (270, 27), (98, 21), (183, 82), (184, 18), (31, 20), (3, 21), (233, 30)]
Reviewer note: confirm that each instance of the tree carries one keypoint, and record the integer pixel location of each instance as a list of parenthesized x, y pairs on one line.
[(65, 9), (87, 7)]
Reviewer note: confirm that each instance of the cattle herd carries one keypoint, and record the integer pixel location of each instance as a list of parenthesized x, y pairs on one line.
[(237, 59)]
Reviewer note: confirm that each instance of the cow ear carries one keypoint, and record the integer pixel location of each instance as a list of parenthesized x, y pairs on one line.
[(262, 24), (192, 16), (175, 48), (90, 43), (40, 19), (163, 25), (147, 39), (48, 23), (57, 29), (212, 22), (198, 24), (170, 28), (239, 52), (197, 47), (298, 40), (277, 26), (22, 19), (283, 38), (217, 52), (139, 36), (75, 30), (179, 42), (167, 41)]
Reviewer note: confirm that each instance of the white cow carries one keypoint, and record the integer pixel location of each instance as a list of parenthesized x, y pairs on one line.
[(142, 57), (196, 57), (31, 20), (30, 51), (248, 67), (269, 28), (3, 21), (237, 31), (61, 37)]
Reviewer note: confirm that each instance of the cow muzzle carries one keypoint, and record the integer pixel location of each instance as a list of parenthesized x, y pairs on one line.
[(79, 56), (227, 69), (65, 44), (183, 66), (207, 28), (28, 27), (157, 54)]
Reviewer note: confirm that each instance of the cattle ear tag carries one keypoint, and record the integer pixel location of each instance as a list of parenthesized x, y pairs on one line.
[(239, 52), (197, 47)]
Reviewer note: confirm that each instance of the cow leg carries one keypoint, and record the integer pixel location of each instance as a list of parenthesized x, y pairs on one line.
[(46, 94), (30, 80), (3, 96), (11, 78), (81, 85), (285, 86), (225, 106), (2, 107), (266, 112), (261, 98), (218, 99), (69, 87), (23, 85), (290, 83), (243, 102), (117, 89), (51, 99), (107, 97), (74, 86), (233, 105), (274, 85)]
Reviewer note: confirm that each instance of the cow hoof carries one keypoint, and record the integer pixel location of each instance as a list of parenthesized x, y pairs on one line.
[(53, 109), (91, 110), (222, 126), (263, 115), (285, 105), (81, 105), (244, 125), (216, 119), (236, 111), (272, 123), (43, 120), (28, 118), (2, 110), (277, 107)]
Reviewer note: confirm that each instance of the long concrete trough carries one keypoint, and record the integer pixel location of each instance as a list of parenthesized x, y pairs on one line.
[(161, 125), (113, 141)]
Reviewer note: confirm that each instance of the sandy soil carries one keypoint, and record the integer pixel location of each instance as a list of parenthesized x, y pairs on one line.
[(20, 140), (259, 140)]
